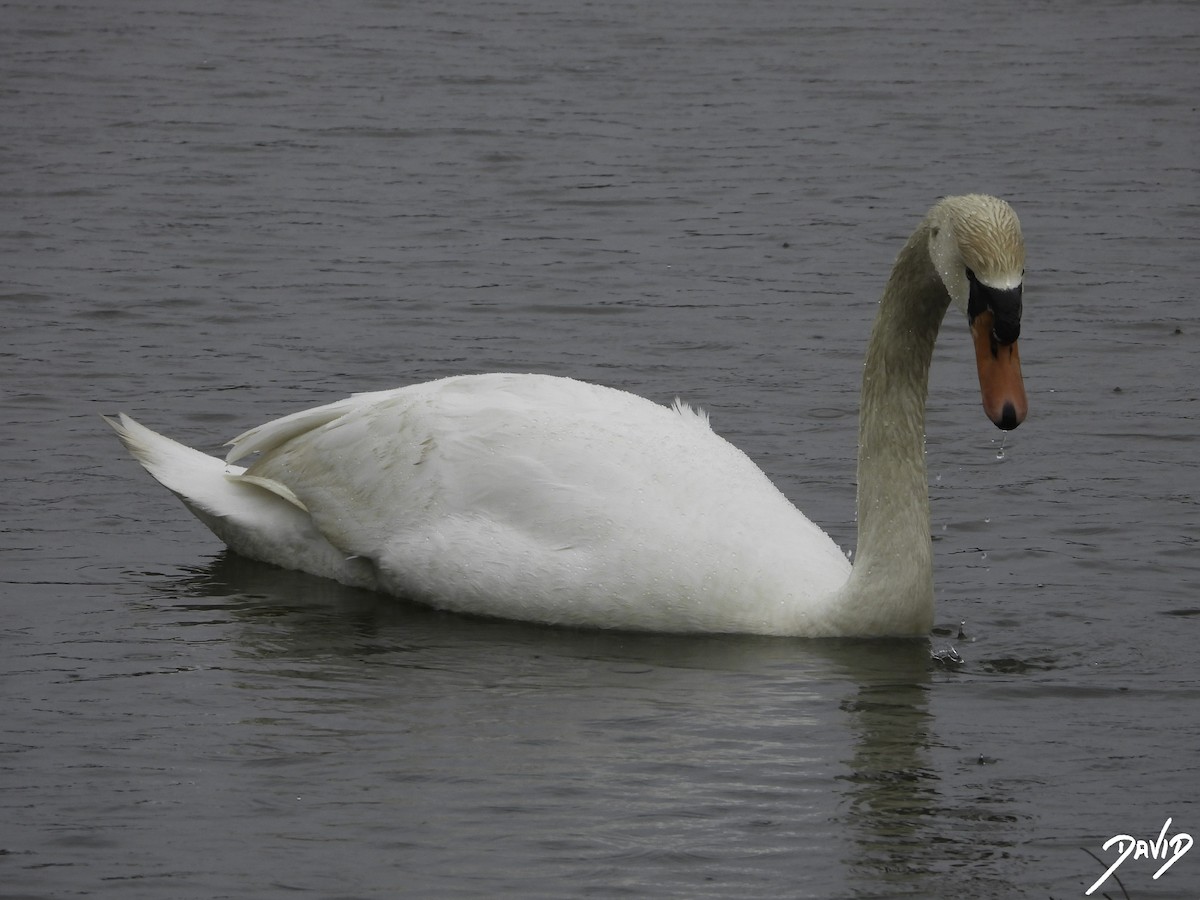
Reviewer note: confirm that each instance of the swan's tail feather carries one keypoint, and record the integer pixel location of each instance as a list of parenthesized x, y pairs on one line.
[(194, 477), (264, 521), (233, 509)]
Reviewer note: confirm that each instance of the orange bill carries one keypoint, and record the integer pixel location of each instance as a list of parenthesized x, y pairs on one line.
[(1000, 380)]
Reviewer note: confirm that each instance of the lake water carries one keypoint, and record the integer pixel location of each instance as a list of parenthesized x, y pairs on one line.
[(215, 214)]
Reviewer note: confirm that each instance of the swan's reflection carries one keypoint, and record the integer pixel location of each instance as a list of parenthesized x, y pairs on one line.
[(892, 796), (671, 749)]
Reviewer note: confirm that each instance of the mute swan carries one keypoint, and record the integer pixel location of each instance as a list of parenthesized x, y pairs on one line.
[(551, 500)]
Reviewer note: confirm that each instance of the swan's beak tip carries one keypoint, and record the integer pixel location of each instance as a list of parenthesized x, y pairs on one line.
[(1004, 397), (1009, 418)]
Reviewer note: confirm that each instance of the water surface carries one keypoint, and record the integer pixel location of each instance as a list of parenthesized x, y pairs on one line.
[(214, 215)]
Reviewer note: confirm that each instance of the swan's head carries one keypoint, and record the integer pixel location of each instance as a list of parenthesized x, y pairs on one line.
[(976, 246)]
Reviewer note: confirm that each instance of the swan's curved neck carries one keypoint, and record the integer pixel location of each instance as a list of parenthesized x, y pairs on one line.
[(890, 590)]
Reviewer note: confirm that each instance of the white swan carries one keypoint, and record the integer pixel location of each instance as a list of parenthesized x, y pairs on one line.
[(551, 500)]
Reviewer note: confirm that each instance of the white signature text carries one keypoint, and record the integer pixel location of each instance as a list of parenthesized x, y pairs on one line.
[(1174, 847)]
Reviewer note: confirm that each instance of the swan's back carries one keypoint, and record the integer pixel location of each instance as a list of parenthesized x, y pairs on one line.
[(552, 500)]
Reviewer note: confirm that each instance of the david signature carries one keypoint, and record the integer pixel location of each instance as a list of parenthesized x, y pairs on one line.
[(1126, 845)]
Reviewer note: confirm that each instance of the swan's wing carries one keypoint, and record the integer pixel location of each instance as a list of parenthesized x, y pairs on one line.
[(550, 499), (539, 454), (268, 436)]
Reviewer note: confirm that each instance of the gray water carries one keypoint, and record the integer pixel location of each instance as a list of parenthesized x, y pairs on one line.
[(217, 213)]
